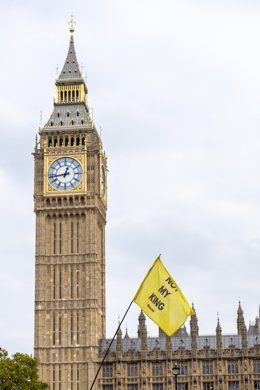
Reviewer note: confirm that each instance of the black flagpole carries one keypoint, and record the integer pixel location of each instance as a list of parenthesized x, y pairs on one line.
[(101, 364)]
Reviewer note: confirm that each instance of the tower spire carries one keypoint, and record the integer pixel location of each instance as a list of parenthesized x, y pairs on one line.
[(71, 70)]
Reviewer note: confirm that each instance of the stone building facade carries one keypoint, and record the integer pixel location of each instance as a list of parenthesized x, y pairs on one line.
[(70, 195), (220, 362)]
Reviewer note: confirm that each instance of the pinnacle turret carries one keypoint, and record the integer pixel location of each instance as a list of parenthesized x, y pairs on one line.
[(241, 326), (119, 341), (194, 331), (142, 331), (219, 337)]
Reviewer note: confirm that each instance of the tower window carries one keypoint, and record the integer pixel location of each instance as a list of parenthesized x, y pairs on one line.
[(61, 123), (82, 122), (60, 284), (157, 369), (54, 237), (72, 122), (183, 369), (132, 370), (77, 335), (59, 377), (68, 114), (71, 283), (83, 140), (77, 237), (209, 386), (53, 378), (232, 385), (77, 111), (77, 141), (71, 236), (77, 377), (256, 367), (51, 123), (60, 237), (61, 141), (233, 367), (55, 142), (53, 330), (71, 377), (58, 114), (207, 368), (107, 371), (54, 284), (50, 142), (60, 326), (77, 283), (66, 141), (72, 141), (71, 327)]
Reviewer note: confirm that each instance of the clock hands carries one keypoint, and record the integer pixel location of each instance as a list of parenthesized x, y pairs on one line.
[(66, 173)]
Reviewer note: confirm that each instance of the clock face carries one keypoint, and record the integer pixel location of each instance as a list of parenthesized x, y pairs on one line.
[(103, 181), (65, 173)]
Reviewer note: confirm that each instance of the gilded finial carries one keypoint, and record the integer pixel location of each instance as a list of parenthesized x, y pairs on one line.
[(72, 24)]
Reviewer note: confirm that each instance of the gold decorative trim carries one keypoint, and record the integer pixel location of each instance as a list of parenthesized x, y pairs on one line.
[(80, 189)]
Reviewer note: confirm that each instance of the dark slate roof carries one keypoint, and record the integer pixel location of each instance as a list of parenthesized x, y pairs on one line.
[(253, 340), (154, 343), (70, 70), (68, 115), (255, 329)]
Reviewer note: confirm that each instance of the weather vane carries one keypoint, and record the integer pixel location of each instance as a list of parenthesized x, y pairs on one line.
[(72, 24)]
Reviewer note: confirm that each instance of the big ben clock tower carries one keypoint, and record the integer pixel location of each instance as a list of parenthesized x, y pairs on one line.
[(70, 195)]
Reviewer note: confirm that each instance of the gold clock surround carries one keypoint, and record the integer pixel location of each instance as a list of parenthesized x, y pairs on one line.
[(80, 189)]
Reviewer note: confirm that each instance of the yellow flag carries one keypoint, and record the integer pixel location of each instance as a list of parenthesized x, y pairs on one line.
[(161, 299)]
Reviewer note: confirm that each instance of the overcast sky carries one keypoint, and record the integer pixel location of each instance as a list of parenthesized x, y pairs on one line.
[(175, 86)]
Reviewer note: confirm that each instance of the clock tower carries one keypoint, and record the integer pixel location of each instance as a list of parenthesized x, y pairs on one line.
[(70, 195)]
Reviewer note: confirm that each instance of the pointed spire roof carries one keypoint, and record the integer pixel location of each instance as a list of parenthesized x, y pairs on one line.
[(239, 310), (119, 331), (141, 317), (126, 334), (71, 70), (218, 328)]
